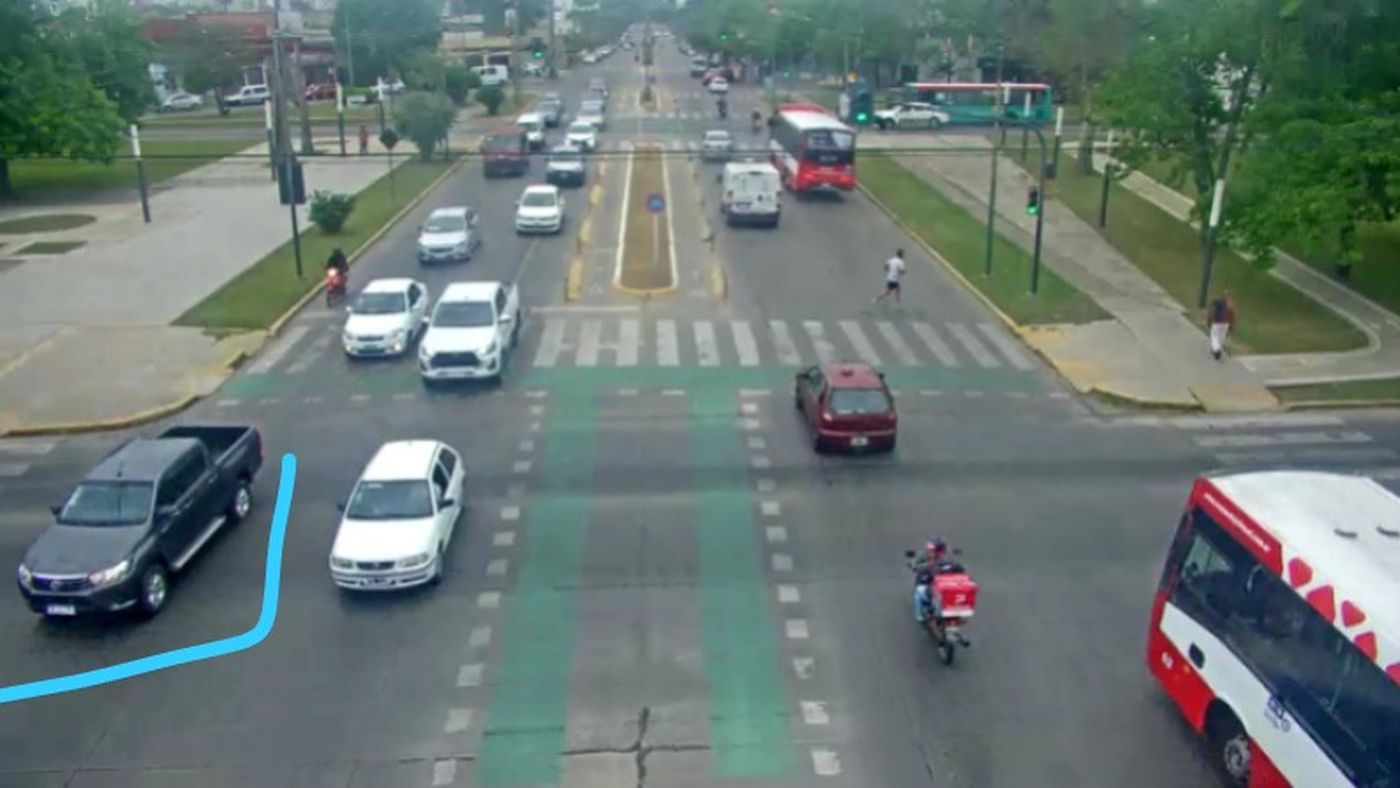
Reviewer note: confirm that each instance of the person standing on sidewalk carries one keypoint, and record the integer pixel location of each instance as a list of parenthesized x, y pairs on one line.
[(1220, 316), (364, 139), (894, 272)]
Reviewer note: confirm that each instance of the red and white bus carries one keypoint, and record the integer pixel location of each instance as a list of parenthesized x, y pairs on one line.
[(812, 149), (1276, 627)]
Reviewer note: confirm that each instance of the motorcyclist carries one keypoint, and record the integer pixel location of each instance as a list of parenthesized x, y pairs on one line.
[(934, 561), (338, 262), (757, 120), (723, 108)]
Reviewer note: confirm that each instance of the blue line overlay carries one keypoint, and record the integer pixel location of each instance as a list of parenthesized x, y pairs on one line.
[(272, 585)]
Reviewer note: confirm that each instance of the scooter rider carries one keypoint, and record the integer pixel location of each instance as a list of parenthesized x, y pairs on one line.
[(338, 262), (723, 108), (932, 562)]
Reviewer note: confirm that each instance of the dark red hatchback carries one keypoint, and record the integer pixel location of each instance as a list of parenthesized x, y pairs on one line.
[(847, 406)]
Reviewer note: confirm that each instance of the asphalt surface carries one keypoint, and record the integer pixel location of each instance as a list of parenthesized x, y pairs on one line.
[(656, 581)]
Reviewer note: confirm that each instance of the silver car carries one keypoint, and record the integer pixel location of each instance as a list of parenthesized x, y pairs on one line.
[(717, 146), (449, 234)]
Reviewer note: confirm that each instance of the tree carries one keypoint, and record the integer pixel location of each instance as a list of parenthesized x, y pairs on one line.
[(460, 81), (423, 70), (209, 59), (491, 97), (48, 104), (106, 37), (383, 36), (424, 118)]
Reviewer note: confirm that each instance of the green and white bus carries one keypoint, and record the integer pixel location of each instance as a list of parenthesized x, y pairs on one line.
[(975, 103)]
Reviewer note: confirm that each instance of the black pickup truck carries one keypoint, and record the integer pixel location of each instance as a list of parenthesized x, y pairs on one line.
[(139, 517)]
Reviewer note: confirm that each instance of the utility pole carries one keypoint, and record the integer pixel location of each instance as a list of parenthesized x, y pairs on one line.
[(349, 50), (992, 190), (553, 64), (515, 55), (286, 157)]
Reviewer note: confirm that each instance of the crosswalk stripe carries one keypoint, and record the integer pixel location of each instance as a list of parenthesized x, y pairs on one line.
[(783, 344), (974, 347), (826, 352), (316, 350), (667, 347), (744, 343), (1247, 440), (1006, 345), (1255, 422), (588, 341), (705, 347), (279, 350), (895, 341), (860, 342), (935, 344), (629, 342), (30, 447), (551, 344), (11, 470), (1308, 456)]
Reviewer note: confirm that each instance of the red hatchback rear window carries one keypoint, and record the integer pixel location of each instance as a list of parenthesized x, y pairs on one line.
[(858, 402)]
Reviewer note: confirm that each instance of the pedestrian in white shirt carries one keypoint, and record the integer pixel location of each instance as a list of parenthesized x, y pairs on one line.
[(894, 272)]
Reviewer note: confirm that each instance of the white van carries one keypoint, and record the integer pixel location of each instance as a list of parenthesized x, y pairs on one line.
[(749, 193), (492, 75)]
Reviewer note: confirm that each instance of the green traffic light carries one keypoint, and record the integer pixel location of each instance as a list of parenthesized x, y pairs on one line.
[(862, 117), (1032, 210)]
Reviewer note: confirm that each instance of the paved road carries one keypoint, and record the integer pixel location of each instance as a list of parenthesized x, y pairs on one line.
[(657, 582)]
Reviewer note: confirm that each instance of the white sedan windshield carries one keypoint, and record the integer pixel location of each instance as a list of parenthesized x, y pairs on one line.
[(390, 501), (538, 200)]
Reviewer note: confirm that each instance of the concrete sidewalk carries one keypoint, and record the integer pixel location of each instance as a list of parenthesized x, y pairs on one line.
[(1379, 359), (85, 337), (1151, 352)]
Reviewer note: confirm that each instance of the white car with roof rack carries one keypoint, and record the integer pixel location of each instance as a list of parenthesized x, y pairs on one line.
[(399, 520), (473, 329), (385, 317)]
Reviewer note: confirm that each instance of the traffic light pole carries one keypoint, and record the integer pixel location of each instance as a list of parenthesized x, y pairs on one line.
[(1040, 207)]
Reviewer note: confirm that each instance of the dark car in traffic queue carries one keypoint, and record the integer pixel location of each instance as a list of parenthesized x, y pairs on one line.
[(138, 518), (505, 151), (846, 406)]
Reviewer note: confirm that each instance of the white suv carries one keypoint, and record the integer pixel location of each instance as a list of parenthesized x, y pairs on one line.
[(385, 317), (473, 327), (540, 209), (400, 517)]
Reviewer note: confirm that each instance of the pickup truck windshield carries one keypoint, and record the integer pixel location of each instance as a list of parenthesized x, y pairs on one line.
[(464, 314), (108, 503), (379, 304), (855, 402), (390, 501)]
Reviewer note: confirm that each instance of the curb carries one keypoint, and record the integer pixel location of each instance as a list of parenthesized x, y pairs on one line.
[(1348, 404), (124, 422), (1119, 398), (281, 322)]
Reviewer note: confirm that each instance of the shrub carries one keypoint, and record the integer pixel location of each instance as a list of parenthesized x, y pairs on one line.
[(491, 97), (330, 211), (460, 81)]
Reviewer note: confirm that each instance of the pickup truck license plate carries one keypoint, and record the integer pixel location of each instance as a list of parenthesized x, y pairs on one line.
[(860, 441), (61, 610)]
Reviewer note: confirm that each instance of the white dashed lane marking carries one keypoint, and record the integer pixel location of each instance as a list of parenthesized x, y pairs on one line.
[(470, 675), (503, 538)]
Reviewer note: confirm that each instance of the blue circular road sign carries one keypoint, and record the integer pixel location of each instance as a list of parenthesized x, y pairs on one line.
[(656, 203)]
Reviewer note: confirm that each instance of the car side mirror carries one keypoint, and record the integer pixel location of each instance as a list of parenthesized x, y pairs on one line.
[(426, 320), (340, 505), (446, 502)]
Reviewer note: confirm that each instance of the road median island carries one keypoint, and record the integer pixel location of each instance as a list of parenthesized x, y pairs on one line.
[(1274, 316), (259, 296), (646, 254), (960, 240)]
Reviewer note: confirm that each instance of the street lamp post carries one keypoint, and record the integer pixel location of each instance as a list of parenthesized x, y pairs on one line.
[(340, 114), (1217, 204), (1107, 176), (140, 172), (1059, 129), (271, 140), (1026, 119)]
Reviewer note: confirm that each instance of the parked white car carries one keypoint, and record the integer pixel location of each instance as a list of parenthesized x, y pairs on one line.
[(540, 209), (582, 134), (177, 102), (399, 520), (385, 317), (474, 327), (248, 95)]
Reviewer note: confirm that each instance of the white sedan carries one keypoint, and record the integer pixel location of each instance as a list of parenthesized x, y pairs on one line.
[(399, 520), (177, 102), (719, 85), (385, 317)]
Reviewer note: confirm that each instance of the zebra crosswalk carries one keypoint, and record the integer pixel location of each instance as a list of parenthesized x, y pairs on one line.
[(884, 343), (17, 455), (1292, 440)]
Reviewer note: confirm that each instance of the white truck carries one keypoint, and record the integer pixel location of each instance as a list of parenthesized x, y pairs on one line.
[(750, 193)]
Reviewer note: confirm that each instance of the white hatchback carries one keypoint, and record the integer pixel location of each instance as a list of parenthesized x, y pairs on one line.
[(399, 520), (540, 209), (385, 317)]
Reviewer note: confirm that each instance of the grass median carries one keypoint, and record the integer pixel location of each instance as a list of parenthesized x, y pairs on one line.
[(164, 159), (256, 298), (1385, 389), (320, 112), (1273, 316), (646, 253), (961, 239)]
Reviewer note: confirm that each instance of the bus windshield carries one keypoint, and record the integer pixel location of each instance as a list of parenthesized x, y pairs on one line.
[(829, 146)]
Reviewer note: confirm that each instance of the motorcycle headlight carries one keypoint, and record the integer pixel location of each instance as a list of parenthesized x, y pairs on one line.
[(111, 574), (342, 563), (413, 560), (24, 574)]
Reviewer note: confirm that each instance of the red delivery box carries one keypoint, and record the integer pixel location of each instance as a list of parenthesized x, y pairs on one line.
[(957, 594)]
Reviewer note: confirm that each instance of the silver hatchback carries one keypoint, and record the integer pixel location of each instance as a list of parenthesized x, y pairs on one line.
[(449, 234), (717, 146)]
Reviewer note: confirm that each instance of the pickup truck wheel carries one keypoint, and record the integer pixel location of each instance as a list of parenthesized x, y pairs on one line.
[(241, 504), (155, 587)]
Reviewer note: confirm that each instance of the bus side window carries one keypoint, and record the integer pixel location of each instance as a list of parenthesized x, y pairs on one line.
[(1208, 581)]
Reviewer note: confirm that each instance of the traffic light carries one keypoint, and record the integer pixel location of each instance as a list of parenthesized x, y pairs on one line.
[(537, 48), (862, 107), (724, 35), (1033, 201)]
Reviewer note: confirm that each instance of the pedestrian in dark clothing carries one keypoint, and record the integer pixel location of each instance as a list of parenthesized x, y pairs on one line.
[(1220, 316), (364, 139)]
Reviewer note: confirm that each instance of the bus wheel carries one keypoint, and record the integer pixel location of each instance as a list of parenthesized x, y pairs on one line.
[(1230, 747)]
